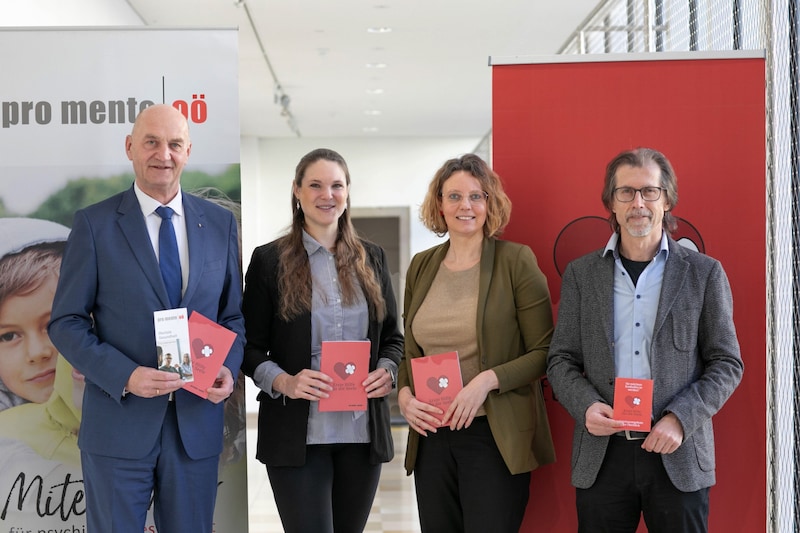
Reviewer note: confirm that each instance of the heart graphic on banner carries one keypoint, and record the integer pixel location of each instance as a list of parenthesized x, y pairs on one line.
[(343, 370), (437, 385), (201, 349), (633, 401)]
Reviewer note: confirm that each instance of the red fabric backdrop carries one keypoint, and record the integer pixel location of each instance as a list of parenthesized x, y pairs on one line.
[(555, 127)]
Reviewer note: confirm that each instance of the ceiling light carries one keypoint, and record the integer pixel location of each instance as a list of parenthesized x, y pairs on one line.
[(372, 112), (374, 91), (376, 65), (369, 129), (381, 29), (283, 100), (279, 96)]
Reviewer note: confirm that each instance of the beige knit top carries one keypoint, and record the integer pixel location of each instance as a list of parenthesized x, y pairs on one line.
[(447, 319)]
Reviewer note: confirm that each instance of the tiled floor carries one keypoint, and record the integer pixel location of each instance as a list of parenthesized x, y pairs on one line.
[(394, 509)]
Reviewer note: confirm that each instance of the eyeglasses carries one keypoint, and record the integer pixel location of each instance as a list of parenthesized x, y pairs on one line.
[(627, 194), (473, 197)]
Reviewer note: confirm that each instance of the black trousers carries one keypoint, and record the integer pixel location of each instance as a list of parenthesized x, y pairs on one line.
[(463, 484), (633, 483), (331, 493)]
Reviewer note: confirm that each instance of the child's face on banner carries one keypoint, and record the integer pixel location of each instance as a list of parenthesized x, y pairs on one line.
[(27, 357)]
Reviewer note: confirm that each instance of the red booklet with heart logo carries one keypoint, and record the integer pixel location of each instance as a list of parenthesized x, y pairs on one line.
[(633, 403), (347, 362), (210, 344), (437, 379)]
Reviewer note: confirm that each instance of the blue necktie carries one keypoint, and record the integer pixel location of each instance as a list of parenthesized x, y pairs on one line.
[(168, 258)]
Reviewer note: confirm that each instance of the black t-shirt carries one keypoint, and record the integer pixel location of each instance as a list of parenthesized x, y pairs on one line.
[(634, 268)]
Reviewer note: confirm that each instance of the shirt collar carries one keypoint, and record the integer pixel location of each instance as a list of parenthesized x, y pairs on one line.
[(310, 244), (613, 245), (150, 204)]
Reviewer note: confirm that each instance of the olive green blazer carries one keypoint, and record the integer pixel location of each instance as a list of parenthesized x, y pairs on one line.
[(514, 327)]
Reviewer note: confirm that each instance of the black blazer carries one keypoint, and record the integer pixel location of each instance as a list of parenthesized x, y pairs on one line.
[(283, 422)]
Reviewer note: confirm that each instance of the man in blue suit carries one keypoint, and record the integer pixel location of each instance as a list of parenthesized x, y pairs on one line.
[(141, 435), (644, 307)]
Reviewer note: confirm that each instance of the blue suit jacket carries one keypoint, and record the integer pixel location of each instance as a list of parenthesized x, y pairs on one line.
[(694, 358), (102, 320)]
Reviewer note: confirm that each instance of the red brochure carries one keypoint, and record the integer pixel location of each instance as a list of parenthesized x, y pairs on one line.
[(437, 379), (347, 362), (210, 344), (633, 403)]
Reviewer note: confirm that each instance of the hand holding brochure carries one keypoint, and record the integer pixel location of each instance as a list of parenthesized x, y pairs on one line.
[(437, 379), (210, 346), (347, 362), (633, 403), (172, 341)]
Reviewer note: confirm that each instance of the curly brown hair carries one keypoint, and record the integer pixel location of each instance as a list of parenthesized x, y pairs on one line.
[(498, 205)]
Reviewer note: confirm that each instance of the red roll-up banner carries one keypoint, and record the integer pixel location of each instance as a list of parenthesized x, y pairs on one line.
[(557, 122)]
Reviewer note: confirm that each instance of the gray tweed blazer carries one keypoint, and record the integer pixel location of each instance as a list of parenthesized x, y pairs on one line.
[(695, 359)]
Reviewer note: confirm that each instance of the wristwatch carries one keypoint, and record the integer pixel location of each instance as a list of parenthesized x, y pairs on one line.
[(393, 375)]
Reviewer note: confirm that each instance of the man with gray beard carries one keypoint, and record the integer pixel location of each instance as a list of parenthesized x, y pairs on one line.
[(644, 308)]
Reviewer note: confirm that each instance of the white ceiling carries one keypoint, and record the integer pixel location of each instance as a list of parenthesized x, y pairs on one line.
[(436, 82)]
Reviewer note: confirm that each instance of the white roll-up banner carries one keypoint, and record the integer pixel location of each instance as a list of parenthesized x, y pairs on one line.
[(68, 98)]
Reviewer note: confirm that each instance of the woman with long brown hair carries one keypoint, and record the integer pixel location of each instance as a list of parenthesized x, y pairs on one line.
[(320, 282)]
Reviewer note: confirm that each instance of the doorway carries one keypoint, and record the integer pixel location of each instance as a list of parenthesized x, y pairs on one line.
[(388, 227)]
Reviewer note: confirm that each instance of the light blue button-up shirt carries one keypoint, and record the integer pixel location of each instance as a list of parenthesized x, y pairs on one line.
[(332, 321), (635, 310)]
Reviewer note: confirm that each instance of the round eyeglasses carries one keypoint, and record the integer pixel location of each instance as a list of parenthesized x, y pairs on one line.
[(473, 197), (627, 194)]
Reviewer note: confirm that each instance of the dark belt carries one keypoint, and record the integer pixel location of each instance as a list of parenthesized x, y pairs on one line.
[(632, 435)]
